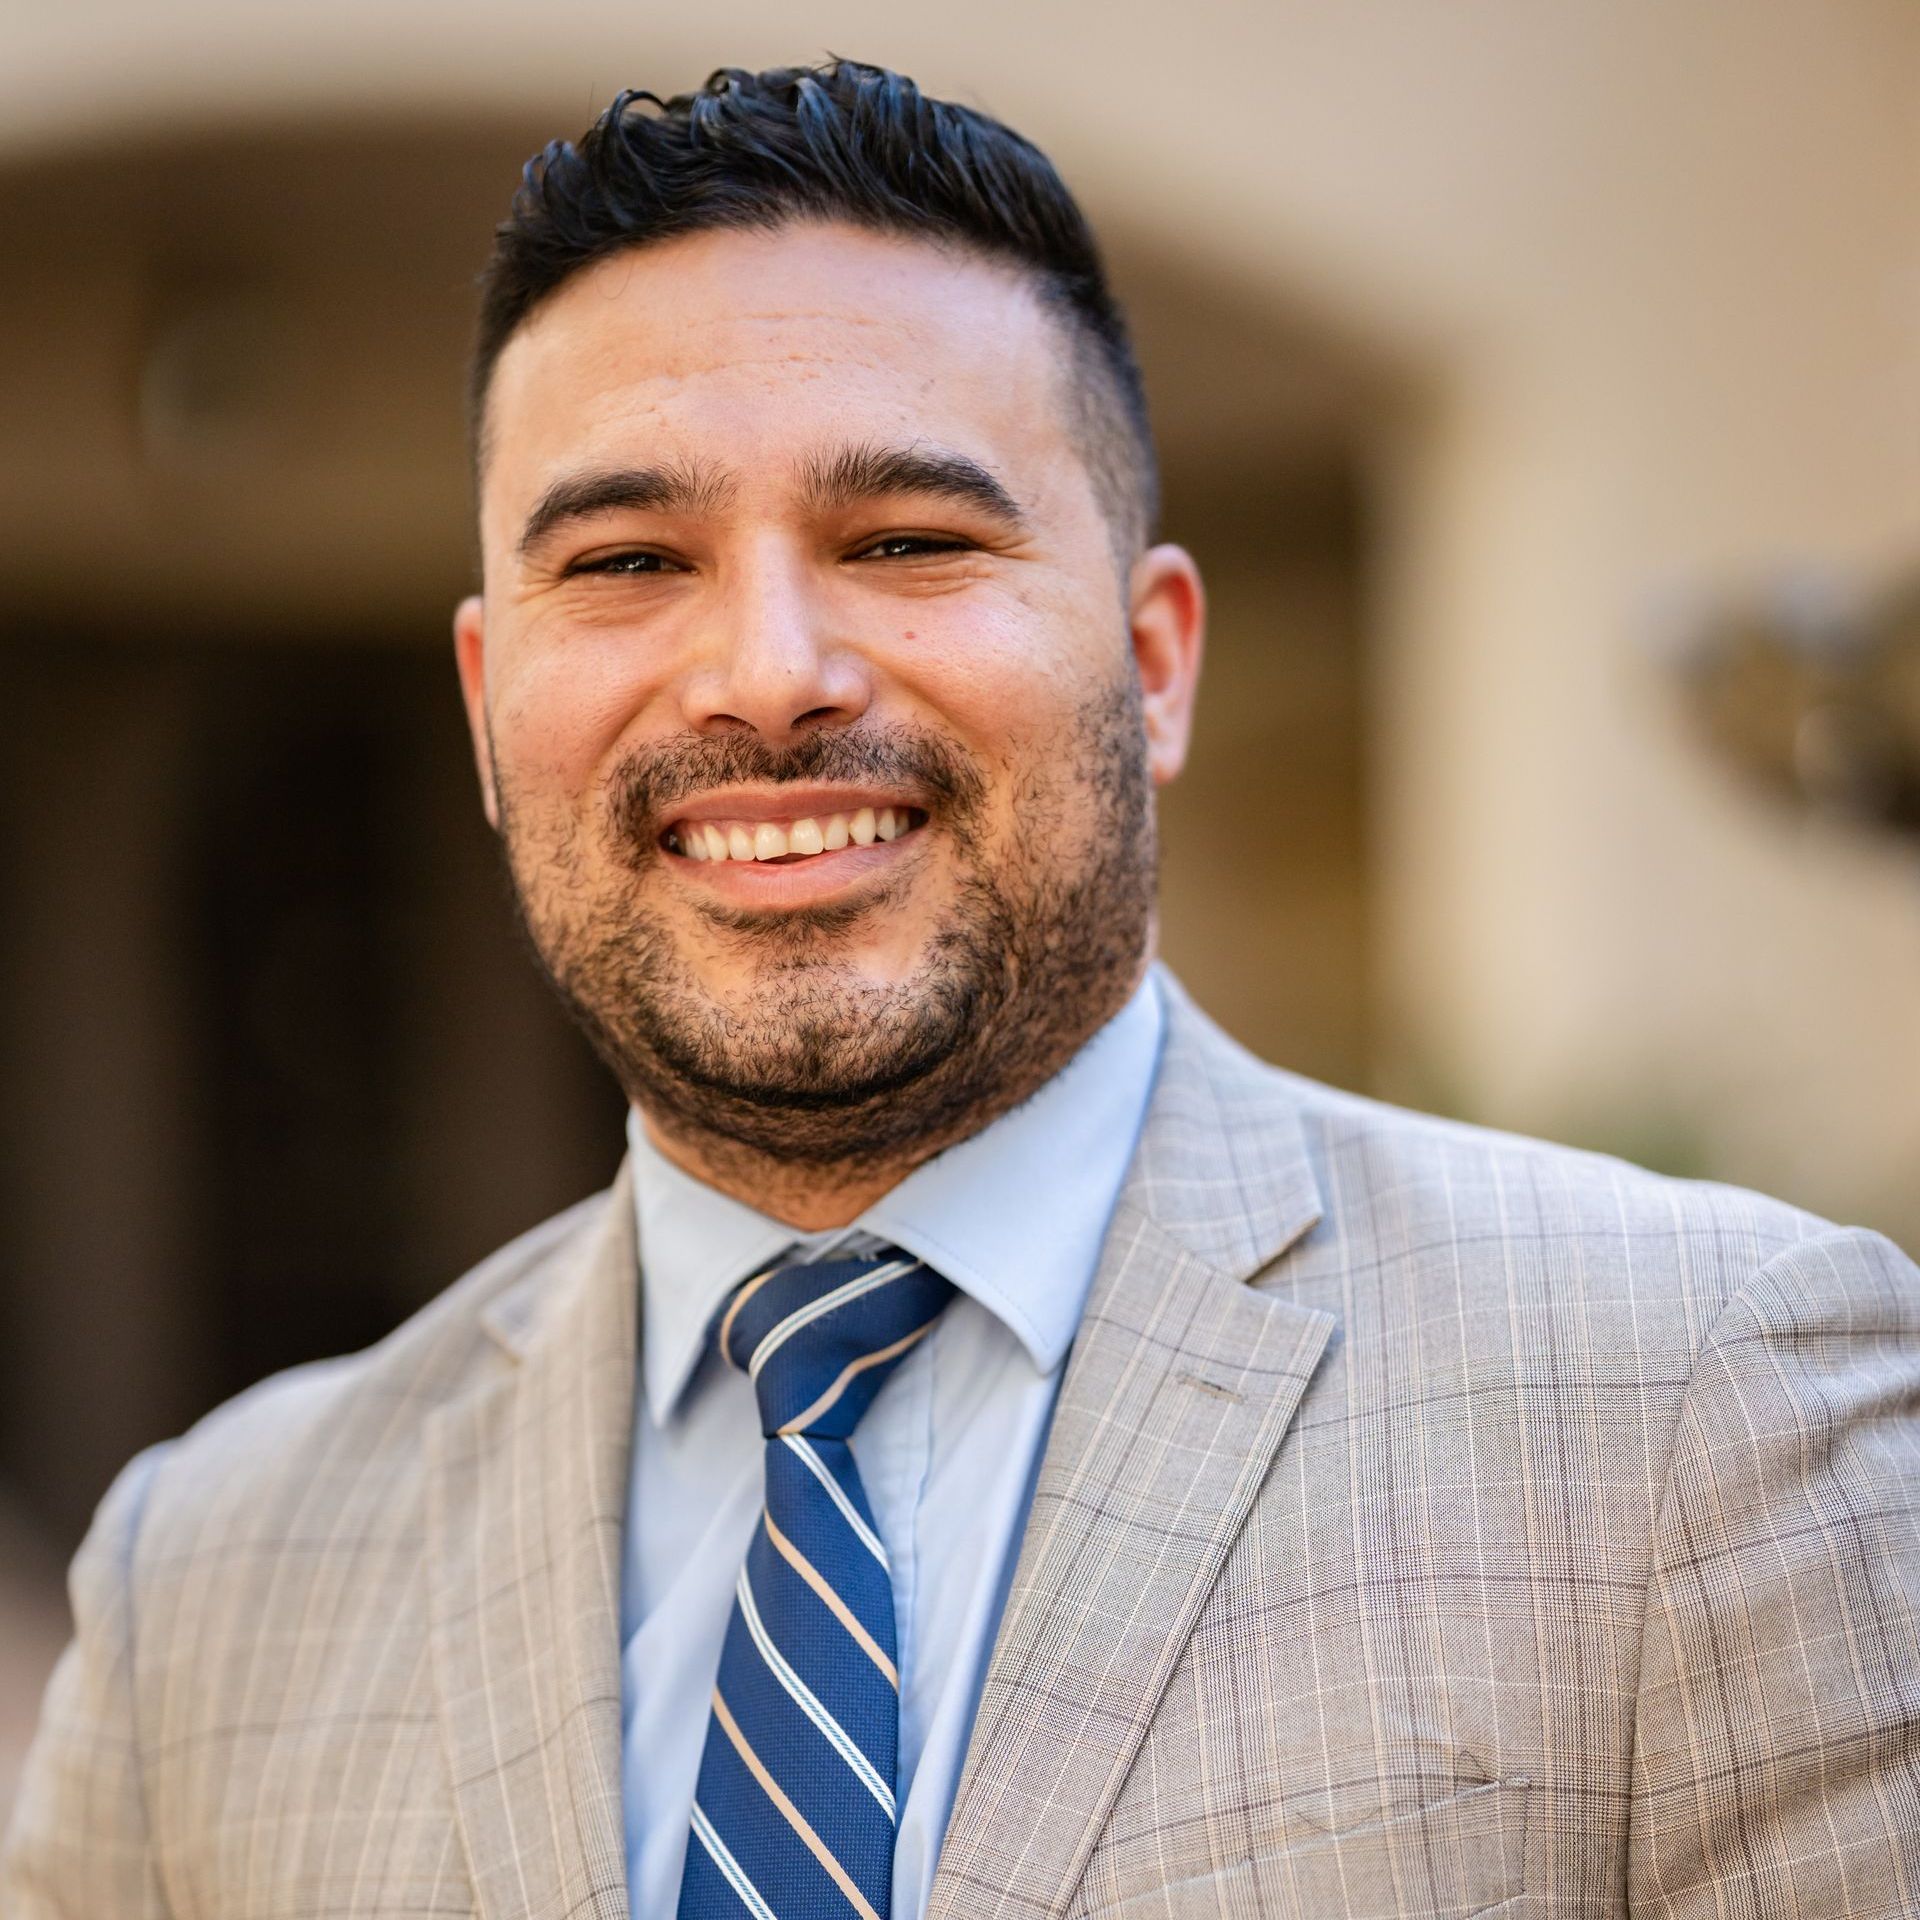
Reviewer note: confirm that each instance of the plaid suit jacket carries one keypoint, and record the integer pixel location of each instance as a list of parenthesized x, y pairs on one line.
[(1433, 1523)]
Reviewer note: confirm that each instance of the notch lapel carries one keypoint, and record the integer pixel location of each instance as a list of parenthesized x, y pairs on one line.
[(1182, 1383), (528, 1507)]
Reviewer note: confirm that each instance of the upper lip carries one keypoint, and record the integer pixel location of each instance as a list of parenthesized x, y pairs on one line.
[(787, 803)]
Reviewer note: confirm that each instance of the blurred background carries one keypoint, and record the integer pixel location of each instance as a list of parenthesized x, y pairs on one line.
[(1538, 386)]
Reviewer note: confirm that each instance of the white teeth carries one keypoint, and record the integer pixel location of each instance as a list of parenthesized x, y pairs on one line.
[(774, 840)]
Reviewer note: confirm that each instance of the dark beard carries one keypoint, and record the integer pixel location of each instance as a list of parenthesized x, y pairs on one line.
[(1036, 952)]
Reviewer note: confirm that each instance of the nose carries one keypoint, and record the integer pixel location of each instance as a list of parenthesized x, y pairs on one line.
[(769, 657)]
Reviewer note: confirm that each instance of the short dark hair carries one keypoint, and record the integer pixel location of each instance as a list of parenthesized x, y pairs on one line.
[(842, 141)]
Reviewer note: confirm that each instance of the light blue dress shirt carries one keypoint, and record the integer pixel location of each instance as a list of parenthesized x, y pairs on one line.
[(948, 1452)]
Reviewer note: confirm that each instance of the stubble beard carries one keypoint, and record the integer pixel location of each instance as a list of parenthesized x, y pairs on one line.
[(817, 1072)]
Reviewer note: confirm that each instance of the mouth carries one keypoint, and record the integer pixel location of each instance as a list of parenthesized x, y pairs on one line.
[(789, 840)]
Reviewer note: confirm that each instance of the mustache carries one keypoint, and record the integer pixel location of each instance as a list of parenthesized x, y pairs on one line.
[(650, 782)]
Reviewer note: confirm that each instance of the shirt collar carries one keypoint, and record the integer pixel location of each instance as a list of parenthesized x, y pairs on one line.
[(1014, 1216)]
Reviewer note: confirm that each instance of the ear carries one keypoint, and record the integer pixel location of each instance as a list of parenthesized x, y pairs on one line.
[(470, 656), (1168, 619)]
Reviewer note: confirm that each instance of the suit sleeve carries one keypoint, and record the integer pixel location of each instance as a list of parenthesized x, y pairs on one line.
[(78, 1846), (1777, 1740)]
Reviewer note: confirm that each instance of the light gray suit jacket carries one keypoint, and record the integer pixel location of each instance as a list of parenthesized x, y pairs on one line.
[(1434, 1523)]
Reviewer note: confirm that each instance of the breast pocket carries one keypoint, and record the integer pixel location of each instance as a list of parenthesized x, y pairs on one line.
[(1447, 1859)]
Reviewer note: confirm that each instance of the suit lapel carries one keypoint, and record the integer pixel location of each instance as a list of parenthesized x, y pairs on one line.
[(1181, 1385), (528, 1507)]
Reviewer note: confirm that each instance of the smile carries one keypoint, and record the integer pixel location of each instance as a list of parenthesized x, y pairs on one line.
[(789, 841)]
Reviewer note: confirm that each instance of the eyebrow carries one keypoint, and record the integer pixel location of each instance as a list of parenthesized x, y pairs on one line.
[(579, 496), (838, 479), (869, 472)]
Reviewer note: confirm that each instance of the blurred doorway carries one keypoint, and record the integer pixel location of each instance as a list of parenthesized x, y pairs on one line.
[(279, 1069)]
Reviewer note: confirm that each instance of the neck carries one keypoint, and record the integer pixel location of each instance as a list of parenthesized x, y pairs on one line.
[(808, 1199)]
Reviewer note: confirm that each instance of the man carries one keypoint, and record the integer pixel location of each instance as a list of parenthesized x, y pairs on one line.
[(997, 1449)]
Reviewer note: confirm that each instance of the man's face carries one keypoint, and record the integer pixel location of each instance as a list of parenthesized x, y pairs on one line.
[(818, 720)]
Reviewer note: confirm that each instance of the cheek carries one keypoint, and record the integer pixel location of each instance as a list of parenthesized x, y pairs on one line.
[(561, 713), (1009, 676)]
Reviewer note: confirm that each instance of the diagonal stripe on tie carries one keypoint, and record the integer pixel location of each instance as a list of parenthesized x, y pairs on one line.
[(803, 1317), (866, 1638), (809, 1702), (836, 1389), (730, 1869), (802, 1827), (766, 1846), (795, 1809), (802, 1450)]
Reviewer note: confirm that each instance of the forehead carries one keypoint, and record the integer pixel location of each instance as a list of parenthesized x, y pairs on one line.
[(749, 349)]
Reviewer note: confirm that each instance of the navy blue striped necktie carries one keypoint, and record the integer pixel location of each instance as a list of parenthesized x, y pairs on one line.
[(794, 1815)]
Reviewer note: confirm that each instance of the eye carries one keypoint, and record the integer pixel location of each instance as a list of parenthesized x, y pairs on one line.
[(912, 546), (634, 562)]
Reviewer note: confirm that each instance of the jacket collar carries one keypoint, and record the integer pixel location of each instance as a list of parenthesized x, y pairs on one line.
[(1223, 1167)]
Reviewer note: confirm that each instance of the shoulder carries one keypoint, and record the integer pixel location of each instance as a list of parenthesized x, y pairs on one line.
[(350, 1430), (1423, 1176), (1570, 1260), (1425, 1216), (1459, 1261)]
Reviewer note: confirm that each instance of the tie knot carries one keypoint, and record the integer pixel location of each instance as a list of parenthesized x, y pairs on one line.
[(818, 1339)]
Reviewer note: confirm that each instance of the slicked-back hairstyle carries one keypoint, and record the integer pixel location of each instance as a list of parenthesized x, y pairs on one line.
[(840, 142)]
